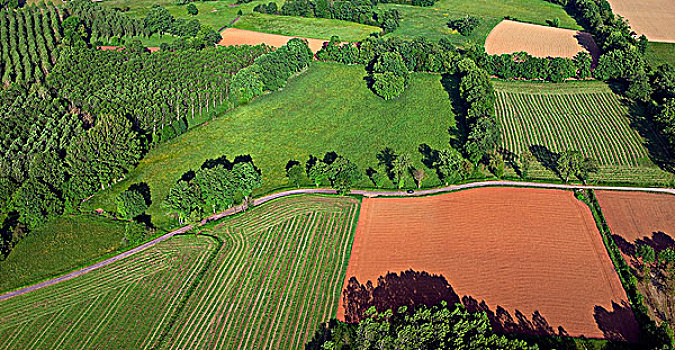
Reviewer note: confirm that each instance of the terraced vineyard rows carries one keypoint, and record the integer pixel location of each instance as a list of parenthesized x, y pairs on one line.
[(594, 123), (122, 306), (277, 276)]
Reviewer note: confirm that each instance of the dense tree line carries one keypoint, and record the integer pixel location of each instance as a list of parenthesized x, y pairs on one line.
[(359, 11), (419, 54), (158, 92), (28, 39), (436, 327), (478, 97), (522, 65), (214, 187), (104, 22), (271, 71)]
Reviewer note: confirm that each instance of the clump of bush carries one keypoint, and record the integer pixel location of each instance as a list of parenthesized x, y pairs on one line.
[(389, 75), (464, 25)]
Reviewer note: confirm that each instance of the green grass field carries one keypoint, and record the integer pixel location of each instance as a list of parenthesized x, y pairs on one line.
[(660, 53), (431, 22), (58, 247), (327, 108), (583, 116), (277, 277), (126, 305)]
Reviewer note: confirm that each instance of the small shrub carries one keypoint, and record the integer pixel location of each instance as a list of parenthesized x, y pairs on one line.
[(464, 25)]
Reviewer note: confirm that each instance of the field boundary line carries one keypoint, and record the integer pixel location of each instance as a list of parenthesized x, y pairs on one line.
[(366, 193)]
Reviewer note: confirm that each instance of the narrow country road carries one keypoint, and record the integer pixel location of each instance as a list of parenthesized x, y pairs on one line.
[(367, 193)]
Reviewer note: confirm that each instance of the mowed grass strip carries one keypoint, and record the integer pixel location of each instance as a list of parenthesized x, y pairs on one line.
[(583, 116), (121, 306), (278, 279), (328, 108)]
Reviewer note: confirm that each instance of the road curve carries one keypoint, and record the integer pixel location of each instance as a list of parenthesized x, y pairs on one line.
[(367, 193)]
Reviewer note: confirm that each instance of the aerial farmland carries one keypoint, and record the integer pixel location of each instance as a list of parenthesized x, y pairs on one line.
[(344, 174)]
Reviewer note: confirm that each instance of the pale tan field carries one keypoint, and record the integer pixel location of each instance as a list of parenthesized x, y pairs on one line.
[(653, 18), (540, 41), (234, 36)]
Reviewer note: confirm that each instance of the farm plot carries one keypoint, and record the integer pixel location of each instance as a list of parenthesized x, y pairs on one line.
[(554, 117), (234, 36), (126, 305), (653, 18), (513, 252), (277, 277), (635, 219), (541, 41)]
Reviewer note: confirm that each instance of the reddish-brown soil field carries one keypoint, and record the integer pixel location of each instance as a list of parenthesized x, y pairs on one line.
[(533, 257), (540, 41), (637, 218), (234, 36), (120, 48), (637, 215)]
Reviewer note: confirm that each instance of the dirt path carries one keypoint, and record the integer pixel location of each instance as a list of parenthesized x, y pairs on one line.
[(367, 193), (235, 36), (120, 48)]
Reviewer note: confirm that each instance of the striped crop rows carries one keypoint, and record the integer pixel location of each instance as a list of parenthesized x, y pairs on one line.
[(277, 276), (121, 306), (595, 123)]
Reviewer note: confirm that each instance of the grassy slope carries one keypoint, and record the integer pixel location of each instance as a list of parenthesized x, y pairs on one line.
[(660, 53), (327, 108), (60, 246), (431, 22)]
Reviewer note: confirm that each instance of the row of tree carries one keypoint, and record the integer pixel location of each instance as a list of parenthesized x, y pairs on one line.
[(103, 24), (271, 71), (158, 92), (214, 187), (522, 65), (28, 38), (423, 327), (419, 54), (359, 11)]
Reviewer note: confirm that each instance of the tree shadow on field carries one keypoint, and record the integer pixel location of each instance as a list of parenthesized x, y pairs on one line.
[(619, 323), (658, 241), (412, 288), (586, 41), (657, 148), (460, 131), (386, 158), (547, 158), (144, 189)]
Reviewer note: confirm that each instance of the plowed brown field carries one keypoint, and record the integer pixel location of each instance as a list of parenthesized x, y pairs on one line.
[(540, 41), (637, 215), (522, 251), (653, 18), (234, 36)]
